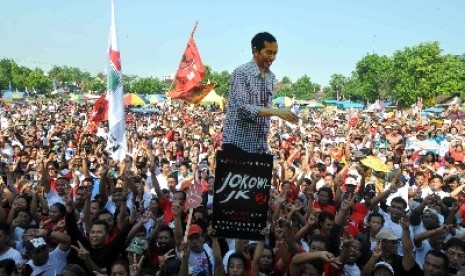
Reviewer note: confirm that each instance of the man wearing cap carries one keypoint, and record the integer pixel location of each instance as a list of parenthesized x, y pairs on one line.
[(198, 258), (386, 251), (41, 260), (250, 94)]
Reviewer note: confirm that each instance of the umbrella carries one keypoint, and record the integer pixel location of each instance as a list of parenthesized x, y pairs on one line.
[(156, 98), (375, 163), (376, 106), (134, 99), (283, 101)]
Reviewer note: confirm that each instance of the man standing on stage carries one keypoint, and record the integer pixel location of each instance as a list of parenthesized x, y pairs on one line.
[(249, 101)]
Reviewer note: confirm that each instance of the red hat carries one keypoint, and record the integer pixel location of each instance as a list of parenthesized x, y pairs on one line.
[(194, 229)]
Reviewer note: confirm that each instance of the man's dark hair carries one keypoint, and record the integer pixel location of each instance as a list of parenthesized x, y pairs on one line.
[(328, 191), (103, 212), (439, 254), (240, 256), (166, 228), (258, 41), (8, 265), (89, 179), (399, 200), (320, 238), (376, 214), (104, 223), (455, 242)]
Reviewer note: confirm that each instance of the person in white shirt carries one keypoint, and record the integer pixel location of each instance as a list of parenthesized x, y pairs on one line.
[(45, 262), (6, 251)]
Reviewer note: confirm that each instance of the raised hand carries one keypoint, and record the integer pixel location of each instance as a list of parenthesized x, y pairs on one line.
[(162, 259), (136, 266), (82, 252), (405, 222), (377, 252)]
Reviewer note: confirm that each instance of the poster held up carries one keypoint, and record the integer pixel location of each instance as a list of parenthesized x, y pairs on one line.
[(241, 194)]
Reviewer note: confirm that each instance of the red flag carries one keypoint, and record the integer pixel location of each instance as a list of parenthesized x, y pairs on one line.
[(190, 72), (195, 95), (100, 110)]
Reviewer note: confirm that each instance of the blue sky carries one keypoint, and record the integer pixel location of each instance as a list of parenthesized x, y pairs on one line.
[(317, 38)]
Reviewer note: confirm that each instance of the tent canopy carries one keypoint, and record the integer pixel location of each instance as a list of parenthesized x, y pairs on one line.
[(213, 98)]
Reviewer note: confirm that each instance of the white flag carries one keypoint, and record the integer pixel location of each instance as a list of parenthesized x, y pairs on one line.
[(117, 137)]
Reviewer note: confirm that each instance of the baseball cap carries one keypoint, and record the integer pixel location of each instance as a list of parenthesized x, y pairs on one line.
[(383, 265), (137, 246), (387, 235), (194, 229), (36, 243)]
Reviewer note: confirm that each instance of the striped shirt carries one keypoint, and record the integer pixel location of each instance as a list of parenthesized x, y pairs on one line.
[(249, 91)]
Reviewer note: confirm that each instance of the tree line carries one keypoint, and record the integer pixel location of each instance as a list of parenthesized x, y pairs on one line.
[(421, 71)]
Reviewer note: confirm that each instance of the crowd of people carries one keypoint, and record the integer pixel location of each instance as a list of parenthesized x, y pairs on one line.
[(69, 209)]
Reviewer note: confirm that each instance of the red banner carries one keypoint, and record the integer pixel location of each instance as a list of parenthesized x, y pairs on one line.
[(190, 72), (100, 110)]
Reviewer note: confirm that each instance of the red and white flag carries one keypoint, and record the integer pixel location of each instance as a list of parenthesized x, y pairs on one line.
[(117, 127)]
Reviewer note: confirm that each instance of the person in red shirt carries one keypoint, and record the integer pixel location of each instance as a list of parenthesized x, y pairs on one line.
[(325, 201)]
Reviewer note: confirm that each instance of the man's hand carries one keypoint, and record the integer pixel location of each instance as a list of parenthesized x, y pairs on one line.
[(287, 115)]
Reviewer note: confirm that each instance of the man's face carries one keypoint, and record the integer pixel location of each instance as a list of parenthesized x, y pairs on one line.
[(236, 267), (375, 224), (94, 208), (166, 169), (60, 186), (397, 210), (98, 235), (163, 240), (196, 242), (433, 266), (265, 57), (80, 196), (435, 184), (456, 256)]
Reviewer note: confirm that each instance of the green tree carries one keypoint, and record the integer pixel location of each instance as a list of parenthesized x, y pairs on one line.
[(148, 86), (374, 77), (417, 73), (36, 79), (96, 85), (304, 88), (6, 72), (337, 86), (220, 78)]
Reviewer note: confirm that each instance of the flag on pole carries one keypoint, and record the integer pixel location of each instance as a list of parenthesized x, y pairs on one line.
[(100, 110), (117, 136), (190, 72)]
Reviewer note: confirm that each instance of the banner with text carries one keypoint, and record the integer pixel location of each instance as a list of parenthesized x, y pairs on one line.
[(241, 194)]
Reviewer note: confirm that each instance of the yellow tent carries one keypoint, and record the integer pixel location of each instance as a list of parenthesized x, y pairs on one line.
[(213, 98)]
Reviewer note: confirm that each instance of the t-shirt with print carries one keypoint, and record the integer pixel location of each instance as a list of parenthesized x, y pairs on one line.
[(202, 262)]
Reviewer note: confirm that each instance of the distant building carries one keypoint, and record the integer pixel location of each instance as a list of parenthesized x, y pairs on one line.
[(168, 79)]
